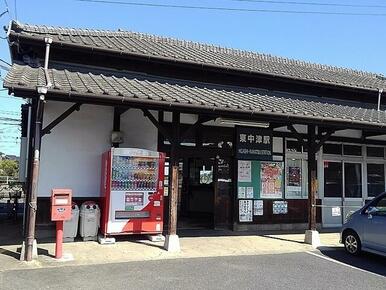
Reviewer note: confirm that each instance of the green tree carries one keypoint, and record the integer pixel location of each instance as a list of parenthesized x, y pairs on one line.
[(9, 167)]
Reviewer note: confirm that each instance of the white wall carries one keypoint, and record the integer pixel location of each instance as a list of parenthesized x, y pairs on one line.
[(71, 154), (138, 131)]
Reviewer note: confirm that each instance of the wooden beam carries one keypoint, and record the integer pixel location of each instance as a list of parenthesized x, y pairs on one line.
[(160, 128), (366, 134), (118, 111), (276, 125), (298, 136), (68, 112), (323, 139), (201, 119)]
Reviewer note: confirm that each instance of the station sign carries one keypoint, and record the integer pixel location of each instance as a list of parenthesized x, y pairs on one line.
[(253, 143)]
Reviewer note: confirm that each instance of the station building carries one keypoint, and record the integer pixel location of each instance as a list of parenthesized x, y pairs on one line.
[(260, 142)]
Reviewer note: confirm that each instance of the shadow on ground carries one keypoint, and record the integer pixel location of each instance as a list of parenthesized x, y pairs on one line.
[(365, 261)]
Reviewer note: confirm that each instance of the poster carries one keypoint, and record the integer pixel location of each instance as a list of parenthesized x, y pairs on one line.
[(294, 179), (241, 192), (245, 210), (133, 199), (280, 207), (271, 176), (249, 192), (258, 207), (244, 171), (335, 211)]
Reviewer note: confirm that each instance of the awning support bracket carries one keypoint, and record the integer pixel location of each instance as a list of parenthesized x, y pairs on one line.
[(54, 123), (160, 128), (201, 119)]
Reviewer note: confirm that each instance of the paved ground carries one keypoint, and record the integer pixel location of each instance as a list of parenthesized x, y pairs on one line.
[(302, 270), (130, 249)]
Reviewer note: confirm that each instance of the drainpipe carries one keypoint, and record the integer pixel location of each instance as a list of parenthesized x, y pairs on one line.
[(380, 91), (38, 109), (48, 42)]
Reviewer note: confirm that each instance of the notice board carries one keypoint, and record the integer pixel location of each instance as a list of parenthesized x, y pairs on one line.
[(259, 179)]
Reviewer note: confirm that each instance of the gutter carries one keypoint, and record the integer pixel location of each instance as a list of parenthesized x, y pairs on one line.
[(157, 105)]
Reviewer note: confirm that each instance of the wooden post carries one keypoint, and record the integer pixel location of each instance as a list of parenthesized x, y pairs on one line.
[(172, 242), (37, 107), (172, 226), (311, 178), (116, 123), (173, 197)]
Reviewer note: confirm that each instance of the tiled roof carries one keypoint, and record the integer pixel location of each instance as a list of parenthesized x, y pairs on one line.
[(203, 54), (168, 93)]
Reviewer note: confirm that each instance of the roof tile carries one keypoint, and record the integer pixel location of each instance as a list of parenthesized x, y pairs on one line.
[(187, 51), (207, 96)]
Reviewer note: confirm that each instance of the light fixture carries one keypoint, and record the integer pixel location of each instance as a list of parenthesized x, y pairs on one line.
[(224, 121)]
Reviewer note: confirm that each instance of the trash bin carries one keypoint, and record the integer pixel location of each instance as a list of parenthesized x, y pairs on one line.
[(89, 221), (70, 227)]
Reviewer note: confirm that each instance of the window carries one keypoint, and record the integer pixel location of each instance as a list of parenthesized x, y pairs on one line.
[(375, 179), (353, 180), (381, 206), (375, 152), (332, 179), (353, 150), (331, 148), (294, 146)]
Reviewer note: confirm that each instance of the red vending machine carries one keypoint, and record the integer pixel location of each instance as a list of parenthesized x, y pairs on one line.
[(132, 191)]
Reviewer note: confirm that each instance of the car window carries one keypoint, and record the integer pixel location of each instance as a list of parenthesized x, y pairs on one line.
[(381, 206)]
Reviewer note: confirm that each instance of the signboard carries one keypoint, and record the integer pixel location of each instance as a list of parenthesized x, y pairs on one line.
[(245, 210), (280, 207), (253, 143), (271, 180), (258, 207)]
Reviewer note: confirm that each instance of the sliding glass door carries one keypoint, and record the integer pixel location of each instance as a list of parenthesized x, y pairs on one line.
[(343, 188)]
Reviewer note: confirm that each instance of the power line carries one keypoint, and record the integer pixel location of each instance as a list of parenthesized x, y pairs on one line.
[(16, 10), (9, 112), (231, 9), (6, 9), (313, 3), (3, 61)]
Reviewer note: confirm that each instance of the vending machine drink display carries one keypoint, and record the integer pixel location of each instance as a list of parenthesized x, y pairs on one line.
[(132, 191)]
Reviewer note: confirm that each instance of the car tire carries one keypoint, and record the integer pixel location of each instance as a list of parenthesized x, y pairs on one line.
[(352, 243)]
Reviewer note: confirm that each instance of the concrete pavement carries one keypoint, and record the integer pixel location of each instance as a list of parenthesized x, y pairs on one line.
[(298, 270), (91, 253)]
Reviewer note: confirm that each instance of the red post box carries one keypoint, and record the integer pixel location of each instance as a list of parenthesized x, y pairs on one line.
[(61, 202)]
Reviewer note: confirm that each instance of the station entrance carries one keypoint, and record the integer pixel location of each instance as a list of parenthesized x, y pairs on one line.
[(206, 193)]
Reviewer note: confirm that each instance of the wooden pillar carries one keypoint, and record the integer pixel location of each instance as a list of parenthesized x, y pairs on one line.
[(312, 165), (173, 196), (116, 123), (37, 108)]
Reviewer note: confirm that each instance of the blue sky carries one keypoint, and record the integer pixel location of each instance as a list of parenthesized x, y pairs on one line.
[(349, 41)]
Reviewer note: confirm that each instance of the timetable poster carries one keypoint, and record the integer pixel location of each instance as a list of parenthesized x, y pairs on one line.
[(245, 210)]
